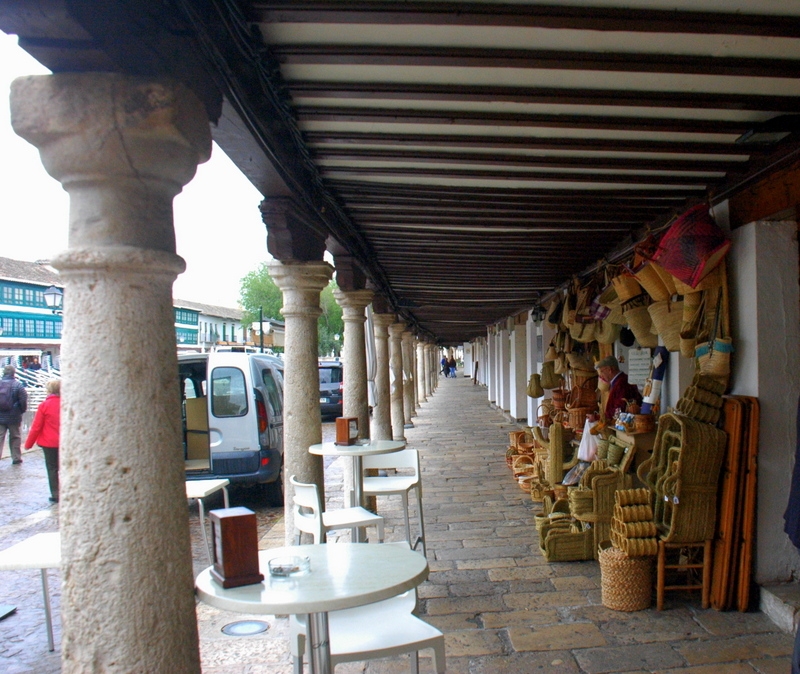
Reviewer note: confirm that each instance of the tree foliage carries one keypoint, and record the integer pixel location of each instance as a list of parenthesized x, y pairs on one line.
[(258, 290)]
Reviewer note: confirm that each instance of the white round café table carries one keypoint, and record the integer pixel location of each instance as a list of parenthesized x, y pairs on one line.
[(359, 449), (342, 575)]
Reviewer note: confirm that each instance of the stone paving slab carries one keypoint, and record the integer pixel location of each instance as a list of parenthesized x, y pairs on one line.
[(502, 607)]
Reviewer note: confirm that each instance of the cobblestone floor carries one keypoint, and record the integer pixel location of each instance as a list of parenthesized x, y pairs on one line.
[(503, 609)]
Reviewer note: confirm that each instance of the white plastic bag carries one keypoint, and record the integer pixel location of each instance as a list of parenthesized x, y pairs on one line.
[(587, 451)]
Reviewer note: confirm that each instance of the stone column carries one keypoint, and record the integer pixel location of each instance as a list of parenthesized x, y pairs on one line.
[(301, 284), (491, 366), (354, 365), (122, 147), (518, 395), (421, 372), (430, 363), (381, 413), (426, 370), (396, 379), (408, 378)]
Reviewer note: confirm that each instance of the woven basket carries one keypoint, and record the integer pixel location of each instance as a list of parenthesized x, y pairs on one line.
[(702, 396), (626, 286), (640, 323), (633, 513), (577, 417), (652, 282), (715, 360), (582, 396), (711, 280), (614, 454), (667, 278), (608, 330), (581, 501), (708, 384), (559, 399), (602, 448), (627, 497), (644, 423), (640, 547), (667, 320), (625, 583), (690, 323)]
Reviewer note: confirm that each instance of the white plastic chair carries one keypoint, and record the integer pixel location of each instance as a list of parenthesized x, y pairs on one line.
[(310, 518), (397, 485), (378, 630)]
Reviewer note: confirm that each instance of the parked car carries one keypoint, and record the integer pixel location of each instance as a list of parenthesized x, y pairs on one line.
[(232, 406), (331, 388)]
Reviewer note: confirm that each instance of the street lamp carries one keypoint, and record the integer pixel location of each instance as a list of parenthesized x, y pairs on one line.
[(54, 299)]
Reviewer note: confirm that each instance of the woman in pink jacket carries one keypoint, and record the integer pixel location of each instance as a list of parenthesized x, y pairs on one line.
[(44, 432)]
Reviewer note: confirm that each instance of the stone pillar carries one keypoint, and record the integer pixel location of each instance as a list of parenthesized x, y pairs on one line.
[(426, 369), (408, 378), (421, 373), (396, 379), (354, 356), (381, 414), (503, 368), (354, 365), (301, 284), (122, 147)]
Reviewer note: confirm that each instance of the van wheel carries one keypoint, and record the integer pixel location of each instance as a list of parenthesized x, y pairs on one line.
[(273, 491)]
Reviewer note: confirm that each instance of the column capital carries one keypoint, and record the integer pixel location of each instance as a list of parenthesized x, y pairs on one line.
[(396, 330), (408, 336), (301, 284), (383, 320), (143, 137), (353, 303)]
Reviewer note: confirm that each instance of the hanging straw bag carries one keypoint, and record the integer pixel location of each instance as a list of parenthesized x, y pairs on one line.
[(549, 378), (714, 357), (535, 389), (693, 317), (667, 320), (627, 287), (640, 324)]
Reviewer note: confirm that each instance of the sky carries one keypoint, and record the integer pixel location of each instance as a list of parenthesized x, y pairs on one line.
[(218, 228)]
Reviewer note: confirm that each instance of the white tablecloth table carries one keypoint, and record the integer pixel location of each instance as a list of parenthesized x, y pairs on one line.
[(198, 490), (41, 551), (342, 575)]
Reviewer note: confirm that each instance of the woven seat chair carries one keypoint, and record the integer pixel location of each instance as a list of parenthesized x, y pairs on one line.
[(555, 448)]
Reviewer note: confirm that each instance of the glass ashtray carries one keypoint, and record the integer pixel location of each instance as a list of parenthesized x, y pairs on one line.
[(283, 567)]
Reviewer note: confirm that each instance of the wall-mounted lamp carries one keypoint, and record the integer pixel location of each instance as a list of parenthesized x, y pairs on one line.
[(538, 313), (54, 299)]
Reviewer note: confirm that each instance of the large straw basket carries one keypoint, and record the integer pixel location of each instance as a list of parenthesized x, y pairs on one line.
[(667, 321), (653, 283), (626, 286), (625, 583), (640, 323)]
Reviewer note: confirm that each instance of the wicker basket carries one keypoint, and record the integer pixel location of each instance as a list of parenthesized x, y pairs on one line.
[(644, 423), (559, 399), (577, 417), (626, 286), (581, 501), (625, 583), (667, 320), (627, 497)]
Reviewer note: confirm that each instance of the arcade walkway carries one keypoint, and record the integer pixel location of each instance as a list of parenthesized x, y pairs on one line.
[(502, 608)]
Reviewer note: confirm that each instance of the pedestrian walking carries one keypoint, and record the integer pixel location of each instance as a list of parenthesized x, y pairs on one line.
[(13, 403), (45, 433), (451, 364), (445, 366)]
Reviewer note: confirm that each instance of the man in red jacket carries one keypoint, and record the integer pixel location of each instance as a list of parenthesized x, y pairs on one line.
[(620, 390)]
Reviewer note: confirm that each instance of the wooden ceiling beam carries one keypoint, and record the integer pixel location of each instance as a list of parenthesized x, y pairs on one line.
[(685, 182), (319, 138), (515, 119), (529, 16), (498, 159), (542, 95), (535, 59)]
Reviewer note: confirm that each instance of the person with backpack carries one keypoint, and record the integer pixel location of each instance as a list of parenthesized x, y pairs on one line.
[(13, 403)]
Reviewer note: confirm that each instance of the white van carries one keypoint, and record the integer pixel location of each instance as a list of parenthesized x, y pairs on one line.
[(233, 418)]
